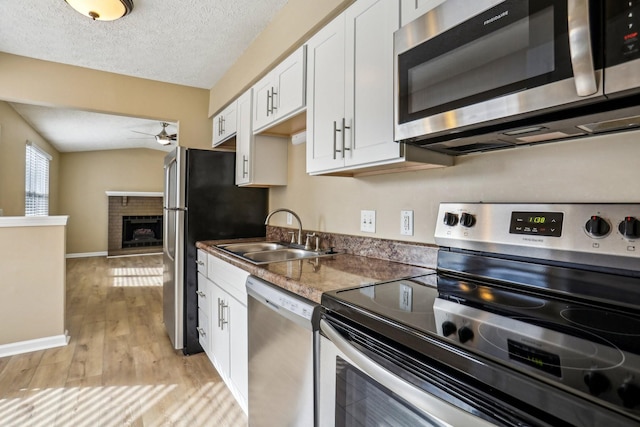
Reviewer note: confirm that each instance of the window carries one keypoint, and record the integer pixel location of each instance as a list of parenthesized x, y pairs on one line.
[(36, 181)]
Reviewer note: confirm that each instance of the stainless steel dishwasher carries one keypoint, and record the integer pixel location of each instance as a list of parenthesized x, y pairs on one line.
[(282, 340)]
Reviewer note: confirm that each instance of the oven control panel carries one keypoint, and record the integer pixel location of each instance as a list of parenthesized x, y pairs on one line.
[(595, 369), (606, 235)]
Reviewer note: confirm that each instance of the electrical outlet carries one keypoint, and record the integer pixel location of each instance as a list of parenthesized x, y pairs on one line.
[(406, 223), (289, 219), (368, 221)]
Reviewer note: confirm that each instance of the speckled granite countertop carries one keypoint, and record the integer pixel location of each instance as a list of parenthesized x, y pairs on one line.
[(309, 278)]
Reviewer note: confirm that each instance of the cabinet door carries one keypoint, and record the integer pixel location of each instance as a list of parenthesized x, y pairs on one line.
[(239, 349), (325, 97), (369, 87), (289, 77), (219, 343), (229, 121), (244, 139), (262, 102), (224, 124), (411, 9)]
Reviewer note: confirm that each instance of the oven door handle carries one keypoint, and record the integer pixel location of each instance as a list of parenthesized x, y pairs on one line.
[(439, 411), (580, 48)]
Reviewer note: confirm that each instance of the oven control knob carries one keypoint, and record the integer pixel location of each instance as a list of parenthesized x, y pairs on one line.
[(630, 394), (448, 328), (450, 219), (467, 220), (630, 227), (597, 226), (465, 334), (596, 382)]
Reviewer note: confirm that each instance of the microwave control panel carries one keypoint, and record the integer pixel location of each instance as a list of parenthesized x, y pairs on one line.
[(622, 31)]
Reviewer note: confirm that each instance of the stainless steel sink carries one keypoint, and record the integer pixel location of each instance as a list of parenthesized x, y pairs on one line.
[(242, 248), (279, 255), (266, 252)]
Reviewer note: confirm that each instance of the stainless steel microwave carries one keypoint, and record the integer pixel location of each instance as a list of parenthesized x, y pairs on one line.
[(492, 65)]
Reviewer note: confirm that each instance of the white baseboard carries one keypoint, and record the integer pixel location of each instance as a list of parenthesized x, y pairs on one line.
[(86, 254), (33, 345)]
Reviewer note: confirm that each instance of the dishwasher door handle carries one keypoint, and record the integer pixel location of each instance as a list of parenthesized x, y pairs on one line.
[(440, 412)]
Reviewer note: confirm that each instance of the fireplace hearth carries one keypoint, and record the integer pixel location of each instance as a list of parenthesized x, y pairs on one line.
[(141, 231)]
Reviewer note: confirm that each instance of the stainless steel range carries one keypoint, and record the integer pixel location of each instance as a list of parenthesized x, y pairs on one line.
[(533, 318)]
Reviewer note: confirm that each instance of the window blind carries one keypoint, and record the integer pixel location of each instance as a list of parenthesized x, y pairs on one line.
[(36, 181)]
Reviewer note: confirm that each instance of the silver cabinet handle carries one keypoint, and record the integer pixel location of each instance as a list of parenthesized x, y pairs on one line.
[(440, 412), (222, 120), (580, 47), (245, 166), (268, 102), (201, 294), (201, 331), (335, 130), (200, 262), (223, 320), (273, 99), (344, 126), (219, 312)]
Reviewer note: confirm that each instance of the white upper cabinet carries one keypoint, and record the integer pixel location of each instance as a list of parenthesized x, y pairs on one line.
[(224, 124), (350, 96), (350, 88), (281, 93), (261, 161), (411, 9), (325, 96)]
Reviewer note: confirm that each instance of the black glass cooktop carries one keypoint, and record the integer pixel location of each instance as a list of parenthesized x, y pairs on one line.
[(410, 303)]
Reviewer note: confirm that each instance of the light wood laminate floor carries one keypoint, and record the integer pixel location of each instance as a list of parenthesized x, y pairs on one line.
[(119, 368)]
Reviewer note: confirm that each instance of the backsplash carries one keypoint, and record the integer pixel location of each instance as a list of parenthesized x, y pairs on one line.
[(418, 254)]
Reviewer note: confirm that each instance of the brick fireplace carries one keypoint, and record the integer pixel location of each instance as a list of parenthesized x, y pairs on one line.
[(135, 223)]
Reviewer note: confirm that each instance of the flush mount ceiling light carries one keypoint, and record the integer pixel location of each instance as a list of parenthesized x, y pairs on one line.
[(102, 10)]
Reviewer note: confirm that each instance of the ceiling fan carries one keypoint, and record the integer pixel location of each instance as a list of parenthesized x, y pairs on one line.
[(162, 138)]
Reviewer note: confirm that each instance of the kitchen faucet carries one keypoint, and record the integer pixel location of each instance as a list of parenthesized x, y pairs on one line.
[(266, 221)]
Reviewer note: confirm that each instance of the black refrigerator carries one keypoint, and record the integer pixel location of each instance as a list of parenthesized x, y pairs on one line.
[(201, 202)]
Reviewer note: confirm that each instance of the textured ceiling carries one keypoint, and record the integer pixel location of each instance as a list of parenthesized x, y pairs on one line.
[(187, 42), (73, 130)]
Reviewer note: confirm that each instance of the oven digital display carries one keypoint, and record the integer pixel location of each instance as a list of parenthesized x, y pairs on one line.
[(536, 223), (542, 360)]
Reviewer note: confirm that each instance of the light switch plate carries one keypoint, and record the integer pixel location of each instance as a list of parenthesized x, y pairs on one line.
[(289, 219), (368, 221), (406, 223)]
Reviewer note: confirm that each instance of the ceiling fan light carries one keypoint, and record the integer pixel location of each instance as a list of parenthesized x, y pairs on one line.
[(102, 10)]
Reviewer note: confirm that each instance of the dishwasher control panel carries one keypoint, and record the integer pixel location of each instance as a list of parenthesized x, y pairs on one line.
[(280, 299)]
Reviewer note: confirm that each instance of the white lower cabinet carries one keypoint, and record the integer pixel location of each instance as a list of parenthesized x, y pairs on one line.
[(204, 312), (227, 321)]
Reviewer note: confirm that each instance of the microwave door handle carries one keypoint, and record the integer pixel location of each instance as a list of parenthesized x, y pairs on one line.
[(580, 47), (438, 410)]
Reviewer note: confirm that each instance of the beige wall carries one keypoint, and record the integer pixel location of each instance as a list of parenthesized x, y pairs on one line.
[(14, 133), (598, 169), (32, 81), (294, 24), (84, 178), (32, 284)]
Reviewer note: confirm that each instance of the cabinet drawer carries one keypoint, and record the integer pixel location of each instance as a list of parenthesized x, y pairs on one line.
[(204, 330), (229, 277), (201, 261)]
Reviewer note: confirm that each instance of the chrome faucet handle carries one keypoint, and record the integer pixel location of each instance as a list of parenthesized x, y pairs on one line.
[(307, 243), (293, 236), (317, 243)]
